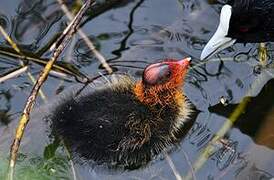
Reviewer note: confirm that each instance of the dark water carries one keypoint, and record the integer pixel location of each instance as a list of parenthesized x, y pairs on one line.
[(130, 36)]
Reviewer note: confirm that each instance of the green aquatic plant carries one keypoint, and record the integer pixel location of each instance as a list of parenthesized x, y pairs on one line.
[(37, 167)]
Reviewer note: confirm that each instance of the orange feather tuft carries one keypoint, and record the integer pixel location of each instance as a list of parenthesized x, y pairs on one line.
[(164, 94)]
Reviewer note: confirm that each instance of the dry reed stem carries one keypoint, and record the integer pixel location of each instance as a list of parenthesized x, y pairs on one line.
[(210, 148), (189, 164), (173, 167), (24, 67), (42, 77), (14, 73), (90, 45), (10, 41), (263, 54), (40, 61)]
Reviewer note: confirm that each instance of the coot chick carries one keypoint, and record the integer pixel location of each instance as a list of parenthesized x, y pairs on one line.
[(242, 21), (126, 123)]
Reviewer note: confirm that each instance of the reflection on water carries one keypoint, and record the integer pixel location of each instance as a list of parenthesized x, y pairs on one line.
[(4, 21), (130, 37), (5, 106), (256, 112), (33, 21)]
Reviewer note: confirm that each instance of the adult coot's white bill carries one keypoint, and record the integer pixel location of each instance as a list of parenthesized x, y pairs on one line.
[(243, 21)]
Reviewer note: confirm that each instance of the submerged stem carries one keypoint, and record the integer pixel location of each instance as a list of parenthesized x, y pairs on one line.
[(42, 78)]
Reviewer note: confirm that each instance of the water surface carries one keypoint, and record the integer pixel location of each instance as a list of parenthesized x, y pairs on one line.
[(130, 36)]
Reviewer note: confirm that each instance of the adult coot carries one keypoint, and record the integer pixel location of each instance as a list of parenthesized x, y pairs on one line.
[(243, 21)]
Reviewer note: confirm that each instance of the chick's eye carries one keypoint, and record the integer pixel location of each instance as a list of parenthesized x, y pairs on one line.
[(156, 74)]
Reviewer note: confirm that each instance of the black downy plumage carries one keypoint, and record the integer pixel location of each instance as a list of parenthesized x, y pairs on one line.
[(124, 123)]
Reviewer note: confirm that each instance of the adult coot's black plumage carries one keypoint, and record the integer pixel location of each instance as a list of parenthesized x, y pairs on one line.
[(126, 122), (242, 21)]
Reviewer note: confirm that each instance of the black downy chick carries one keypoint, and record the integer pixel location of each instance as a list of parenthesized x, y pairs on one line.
[(125, 123)]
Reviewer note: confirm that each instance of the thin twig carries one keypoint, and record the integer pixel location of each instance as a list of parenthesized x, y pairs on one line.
[(70, 161), (15, 73), (42, 77), (210, 148), (6, 36), (61, 68), (189, 164), (93, 12), (263, 54), (172, 166), (16, 48), (90, 45)]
